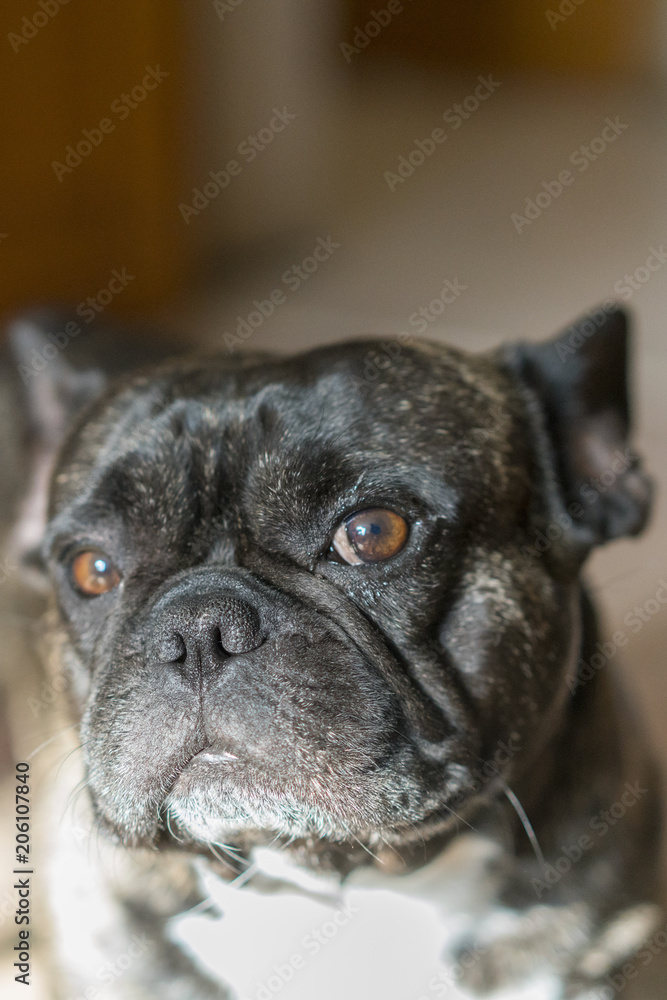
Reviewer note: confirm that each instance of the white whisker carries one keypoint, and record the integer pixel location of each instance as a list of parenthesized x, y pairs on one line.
[(527, 825)]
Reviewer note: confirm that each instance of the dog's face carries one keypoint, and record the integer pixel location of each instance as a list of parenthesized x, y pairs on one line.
[(297, 602)]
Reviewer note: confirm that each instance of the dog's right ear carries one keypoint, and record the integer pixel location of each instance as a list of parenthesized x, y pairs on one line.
[(51, 393)]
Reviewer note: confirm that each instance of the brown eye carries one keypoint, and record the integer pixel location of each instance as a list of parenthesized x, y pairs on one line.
[(93, 573), (370, 536)]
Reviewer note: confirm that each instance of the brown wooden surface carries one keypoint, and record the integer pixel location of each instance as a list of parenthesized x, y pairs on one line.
[(594, 37), (118, 209)]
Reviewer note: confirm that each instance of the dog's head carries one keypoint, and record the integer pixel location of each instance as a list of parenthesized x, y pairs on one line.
[(311, 596)]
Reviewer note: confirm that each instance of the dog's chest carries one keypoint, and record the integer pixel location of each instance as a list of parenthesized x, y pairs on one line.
[(299, 936)]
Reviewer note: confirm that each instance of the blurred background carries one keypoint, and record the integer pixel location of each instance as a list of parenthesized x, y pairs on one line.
[(179, 165)]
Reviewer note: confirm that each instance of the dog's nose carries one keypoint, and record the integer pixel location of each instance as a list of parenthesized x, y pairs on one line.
[(201, 631)]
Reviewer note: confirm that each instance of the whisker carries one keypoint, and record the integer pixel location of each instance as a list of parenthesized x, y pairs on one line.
[(229, 851), (460, 818), (84, 743), (356, 839), (74, 794), (50, 740), (527, 825), (169, 827), (244, 876)]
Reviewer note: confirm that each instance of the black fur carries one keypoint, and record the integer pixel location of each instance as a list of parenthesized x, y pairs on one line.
[(241, 685)]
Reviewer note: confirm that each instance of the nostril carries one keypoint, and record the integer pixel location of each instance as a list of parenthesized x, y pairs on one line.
[(173, 649), (240, 630), (218, 644)]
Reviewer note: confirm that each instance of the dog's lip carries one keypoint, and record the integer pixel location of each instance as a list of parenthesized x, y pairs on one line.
[(204, 764)]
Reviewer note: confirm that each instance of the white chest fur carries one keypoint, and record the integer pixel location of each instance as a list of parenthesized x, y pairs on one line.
[(302, 937)]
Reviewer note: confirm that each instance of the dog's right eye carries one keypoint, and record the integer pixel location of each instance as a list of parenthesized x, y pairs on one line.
[(93, 573)]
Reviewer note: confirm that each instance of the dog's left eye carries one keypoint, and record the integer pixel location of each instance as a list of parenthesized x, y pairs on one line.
[(370, 536), (93, 573)]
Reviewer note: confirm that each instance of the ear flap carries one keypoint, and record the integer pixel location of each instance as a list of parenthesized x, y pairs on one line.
[(55, 391), (60, 366), (578, 388), (52, 392)]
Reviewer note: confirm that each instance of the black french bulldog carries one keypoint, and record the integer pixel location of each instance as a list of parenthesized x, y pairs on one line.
[(333, 602)]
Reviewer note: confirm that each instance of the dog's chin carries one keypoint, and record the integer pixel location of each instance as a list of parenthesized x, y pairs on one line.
[(319, 838), (214, 802)]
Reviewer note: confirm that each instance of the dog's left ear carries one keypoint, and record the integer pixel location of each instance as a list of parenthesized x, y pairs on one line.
[(55, 388), (60, 366), (51, 391), (577, 388)]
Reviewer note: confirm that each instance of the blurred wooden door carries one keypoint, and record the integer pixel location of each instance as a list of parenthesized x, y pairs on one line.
[(584, 37), (91, 156)]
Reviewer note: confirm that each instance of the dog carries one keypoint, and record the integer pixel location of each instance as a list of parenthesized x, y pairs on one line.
[(342, 703)]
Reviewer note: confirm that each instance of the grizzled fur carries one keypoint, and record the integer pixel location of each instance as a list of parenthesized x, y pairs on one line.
[(353, 708)]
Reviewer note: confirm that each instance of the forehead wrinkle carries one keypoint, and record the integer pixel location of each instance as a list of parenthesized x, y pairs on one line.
[(190, 457), (315, 412)]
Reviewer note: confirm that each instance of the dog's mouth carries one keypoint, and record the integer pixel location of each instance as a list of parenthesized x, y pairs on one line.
[(225, 805), (221, 795)]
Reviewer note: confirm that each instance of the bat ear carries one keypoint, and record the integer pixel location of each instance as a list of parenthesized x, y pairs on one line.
[(51, 393), (577, 385), (54, 390)]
